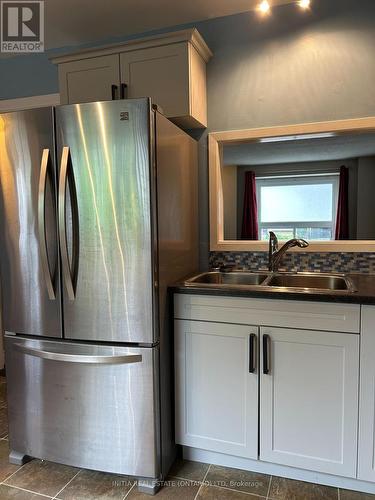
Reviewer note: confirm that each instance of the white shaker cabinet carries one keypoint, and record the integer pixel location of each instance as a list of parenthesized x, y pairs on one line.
[(174, 76), (169, 68), (366, 446), (300, 407), (216, 380), (91, 79), (309, 399)]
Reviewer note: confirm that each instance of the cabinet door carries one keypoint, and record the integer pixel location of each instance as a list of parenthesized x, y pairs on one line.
[(366, 445), (216, 388), (89, 80), (161, 73), (309, 399)]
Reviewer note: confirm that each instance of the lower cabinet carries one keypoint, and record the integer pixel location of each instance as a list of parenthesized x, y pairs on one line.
[(366, 445), (309, 399), (217, 387), (305, 392)]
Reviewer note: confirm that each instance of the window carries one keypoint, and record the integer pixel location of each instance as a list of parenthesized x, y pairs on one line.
[(297, 206)]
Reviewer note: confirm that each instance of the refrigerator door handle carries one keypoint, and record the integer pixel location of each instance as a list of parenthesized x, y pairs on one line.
[(80, 358), (69, 280), (42, 223)]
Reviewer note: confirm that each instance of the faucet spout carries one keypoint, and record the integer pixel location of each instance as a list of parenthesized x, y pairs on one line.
[(275, 255)]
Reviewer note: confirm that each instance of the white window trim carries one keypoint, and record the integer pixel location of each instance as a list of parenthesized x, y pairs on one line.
[(36, 101), (216, 142)]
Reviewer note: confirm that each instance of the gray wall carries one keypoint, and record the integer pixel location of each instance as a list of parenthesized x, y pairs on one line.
[(24, 76), (290, 68), (366, 198)]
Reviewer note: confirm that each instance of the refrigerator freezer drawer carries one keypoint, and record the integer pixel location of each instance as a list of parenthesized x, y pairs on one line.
[(88, 406)]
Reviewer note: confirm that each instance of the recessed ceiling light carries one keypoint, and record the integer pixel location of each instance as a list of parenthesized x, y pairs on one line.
[(304, 4), (264, 7)]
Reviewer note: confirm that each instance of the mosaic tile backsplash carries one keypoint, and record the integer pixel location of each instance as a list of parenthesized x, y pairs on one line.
[(299, 261)]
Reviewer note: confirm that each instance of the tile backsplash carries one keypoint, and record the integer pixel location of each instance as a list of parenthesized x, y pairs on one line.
[(299, 261)]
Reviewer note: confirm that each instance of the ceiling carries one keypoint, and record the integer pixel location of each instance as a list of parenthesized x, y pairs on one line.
[(341, 147), (73, 22)]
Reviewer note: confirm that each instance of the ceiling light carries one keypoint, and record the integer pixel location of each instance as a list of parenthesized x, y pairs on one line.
[(285, 138), (304, 4), (264, 7)]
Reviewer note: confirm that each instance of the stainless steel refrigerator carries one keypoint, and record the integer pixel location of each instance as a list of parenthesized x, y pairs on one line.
[(98, 206)]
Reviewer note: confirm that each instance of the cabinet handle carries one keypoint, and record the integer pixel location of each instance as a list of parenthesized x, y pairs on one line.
[(123, 89), (252, 340), (114, 89), (266, 368)]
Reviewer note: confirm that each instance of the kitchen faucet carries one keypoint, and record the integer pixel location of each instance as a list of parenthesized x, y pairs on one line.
[(275, 255)]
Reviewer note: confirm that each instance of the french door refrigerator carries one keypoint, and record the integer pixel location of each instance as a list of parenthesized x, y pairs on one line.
[(98, 215)]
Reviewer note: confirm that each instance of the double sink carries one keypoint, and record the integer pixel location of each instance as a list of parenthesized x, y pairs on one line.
[(313, 282)]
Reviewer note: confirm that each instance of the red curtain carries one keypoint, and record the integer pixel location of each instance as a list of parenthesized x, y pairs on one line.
[(342, 218), (250, 209)]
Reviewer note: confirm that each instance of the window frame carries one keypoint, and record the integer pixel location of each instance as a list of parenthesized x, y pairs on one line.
[(216, 142)]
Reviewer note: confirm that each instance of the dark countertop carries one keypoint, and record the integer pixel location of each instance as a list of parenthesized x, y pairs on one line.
[(364, 283)]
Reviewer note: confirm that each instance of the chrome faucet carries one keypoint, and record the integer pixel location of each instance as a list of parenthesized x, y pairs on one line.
[(275, 255)]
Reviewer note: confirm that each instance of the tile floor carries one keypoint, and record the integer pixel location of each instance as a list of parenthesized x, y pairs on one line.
[(38, 480)]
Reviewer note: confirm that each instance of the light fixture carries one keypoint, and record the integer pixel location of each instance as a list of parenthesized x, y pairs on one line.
[(264, 7), (304, 4), (285, 138)]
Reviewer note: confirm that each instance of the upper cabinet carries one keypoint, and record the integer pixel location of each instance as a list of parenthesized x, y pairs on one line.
[(91, 79), (171, 69)]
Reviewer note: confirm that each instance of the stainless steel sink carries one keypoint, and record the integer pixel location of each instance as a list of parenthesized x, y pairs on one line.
[(303, 282), (311, 281), (229, 278)]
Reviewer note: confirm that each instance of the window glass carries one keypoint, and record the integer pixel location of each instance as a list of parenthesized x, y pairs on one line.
[(296, 203), (297, 207)]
